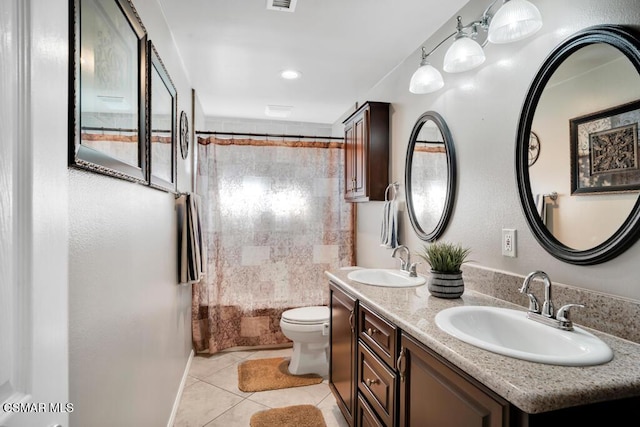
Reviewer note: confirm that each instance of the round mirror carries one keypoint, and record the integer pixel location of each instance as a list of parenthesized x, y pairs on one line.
[(580, 196), (430, 176)]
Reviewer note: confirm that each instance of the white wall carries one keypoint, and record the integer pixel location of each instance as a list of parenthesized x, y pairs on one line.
[(482, 108), (129, 322)]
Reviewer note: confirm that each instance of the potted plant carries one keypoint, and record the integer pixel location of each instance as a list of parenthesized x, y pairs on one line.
[(445, 260)]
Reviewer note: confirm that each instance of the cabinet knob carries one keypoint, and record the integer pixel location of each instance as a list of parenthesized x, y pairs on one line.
[(371, 331), (371, 382)]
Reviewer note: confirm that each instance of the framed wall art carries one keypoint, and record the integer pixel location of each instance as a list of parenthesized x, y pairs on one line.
[(163, 106), (108, 75), (604, 150)]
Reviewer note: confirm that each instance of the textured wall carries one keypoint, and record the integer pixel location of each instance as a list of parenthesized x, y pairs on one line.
[(482, 108), (129, 322)]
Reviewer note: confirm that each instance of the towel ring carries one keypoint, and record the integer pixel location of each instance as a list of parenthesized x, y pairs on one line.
[(395, 187)]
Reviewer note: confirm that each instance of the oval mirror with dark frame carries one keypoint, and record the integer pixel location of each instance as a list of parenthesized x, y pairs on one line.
[(580, 197), (430, 176)]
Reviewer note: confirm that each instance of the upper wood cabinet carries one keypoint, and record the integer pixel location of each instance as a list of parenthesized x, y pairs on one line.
[(366, 135)]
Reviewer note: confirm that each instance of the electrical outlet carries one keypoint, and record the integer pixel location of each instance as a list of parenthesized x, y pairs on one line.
[(509, 242)]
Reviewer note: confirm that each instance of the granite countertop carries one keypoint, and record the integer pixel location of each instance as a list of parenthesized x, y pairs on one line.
[(532, 387)]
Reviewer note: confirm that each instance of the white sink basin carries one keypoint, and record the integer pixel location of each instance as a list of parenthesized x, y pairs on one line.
[(385, 277), (510, 333)]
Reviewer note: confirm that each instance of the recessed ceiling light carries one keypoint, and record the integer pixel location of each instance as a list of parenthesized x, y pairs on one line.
[(290, 74)]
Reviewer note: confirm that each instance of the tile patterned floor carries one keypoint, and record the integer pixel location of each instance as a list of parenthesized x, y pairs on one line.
[(211, 396)]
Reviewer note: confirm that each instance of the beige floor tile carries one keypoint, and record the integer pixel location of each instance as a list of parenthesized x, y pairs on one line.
[(307, 395), (190, 380), (202, 367), (227, 379), (201, 403), (238, 416), (266, 354), (331, 413), (211, 396)]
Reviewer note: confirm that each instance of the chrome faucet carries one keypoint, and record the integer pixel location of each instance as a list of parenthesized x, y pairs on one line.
[(405, 264), (546, 316), (547, 306)]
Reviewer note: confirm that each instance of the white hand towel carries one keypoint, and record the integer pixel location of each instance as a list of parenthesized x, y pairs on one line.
[(389, 227), (541, 207)]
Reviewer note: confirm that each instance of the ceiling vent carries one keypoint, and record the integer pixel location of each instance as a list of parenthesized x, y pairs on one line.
[(282, 5), (279, 111)]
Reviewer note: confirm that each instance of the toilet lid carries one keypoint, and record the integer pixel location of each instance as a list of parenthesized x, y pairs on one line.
[(306, 315)]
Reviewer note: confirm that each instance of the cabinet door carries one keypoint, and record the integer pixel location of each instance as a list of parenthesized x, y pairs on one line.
[(361, 135), (342, 380), (434, 394), (349, 161)]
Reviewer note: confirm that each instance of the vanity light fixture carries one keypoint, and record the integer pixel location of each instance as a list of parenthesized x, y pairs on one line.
[(514, 21), (465, 53), (427, 78)]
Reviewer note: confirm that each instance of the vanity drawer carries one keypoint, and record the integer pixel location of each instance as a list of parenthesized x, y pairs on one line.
[(366, 416), (377, 383), (378, 334)]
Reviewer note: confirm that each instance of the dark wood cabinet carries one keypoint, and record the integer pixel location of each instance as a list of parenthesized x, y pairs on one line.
[(377, 384), (432, 393), (383, 377), (366, 416), (367, 152), (342, 361)]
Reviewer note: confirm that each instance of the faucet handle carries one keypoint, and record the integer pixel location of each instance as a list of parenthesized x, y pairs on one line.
[(412, 269), (563, 312), (564, 316)]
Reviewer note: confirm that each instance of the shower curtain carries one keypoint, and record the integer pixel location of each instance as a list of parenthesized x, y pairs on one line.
[(274, 219)]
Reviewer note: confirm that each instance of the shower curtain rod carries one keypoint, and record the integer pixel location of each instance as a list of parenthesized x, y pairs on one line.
[(268, 135), (105, 129)]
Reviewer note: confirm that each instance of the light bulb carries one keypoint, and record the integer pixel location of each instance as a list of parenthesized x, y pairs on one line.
[(426, 79), (515, 20), (463, 55)]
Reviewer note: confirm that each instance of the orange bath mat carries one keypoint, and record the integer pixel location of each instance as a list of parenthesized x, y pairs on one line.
[(289, 416), (271, 374)]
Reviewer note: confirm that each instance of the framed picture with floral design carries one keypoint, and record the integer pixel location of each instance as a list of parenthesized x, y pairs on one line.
[(604, 150)]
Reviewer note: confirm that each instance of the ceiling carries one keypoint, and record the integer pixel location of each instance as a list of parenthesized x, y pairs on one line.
[(234, 50)]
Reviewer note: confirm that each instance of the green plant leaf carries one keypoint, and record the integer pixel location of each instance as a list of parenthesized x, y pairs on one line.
[(444, 257)]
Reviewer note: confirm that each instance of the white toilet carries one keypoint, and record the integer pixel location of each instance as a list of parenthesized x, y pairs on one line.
[(308, 328)]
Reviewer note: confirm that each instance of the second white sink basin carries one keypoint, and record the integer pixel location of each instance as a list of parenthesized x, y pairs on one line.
[(510, 333), (385, 277)]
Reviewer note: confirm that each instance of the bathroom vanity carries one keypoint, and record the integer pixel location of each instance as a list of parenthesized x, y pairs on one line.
[(392, 366)]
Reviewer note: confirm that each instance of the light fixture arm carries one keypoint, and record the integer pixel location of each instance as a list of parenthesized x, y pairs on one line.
[(424, 54)]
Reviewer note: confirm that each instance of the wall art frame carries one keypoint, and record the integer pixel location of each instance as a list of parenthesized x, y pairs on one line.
[(605, 156), (184, 135), (163, 113), (108, 89)]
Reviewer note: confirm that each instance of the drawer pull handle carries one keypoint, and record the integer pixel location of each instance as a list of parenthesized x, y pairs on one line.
[(371, 382), (351, 320), (370, 331), (400, 366)]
